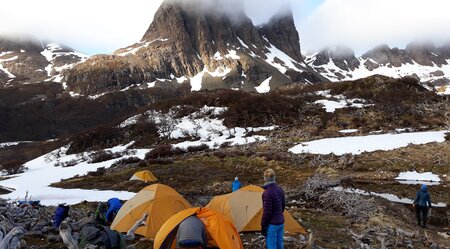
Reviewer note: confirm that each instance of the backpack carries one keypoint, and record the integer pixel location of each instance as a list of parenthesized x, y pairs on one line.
[(100, 213), (103, 236)]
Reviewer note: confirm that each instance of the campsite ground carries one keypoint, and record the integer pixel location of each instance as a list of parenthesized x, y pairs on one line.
[(333, 218), (330, 228)]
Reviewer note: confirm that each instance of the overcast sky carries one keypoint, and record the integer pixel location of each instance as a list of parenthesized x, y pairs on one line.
[(102, 26)]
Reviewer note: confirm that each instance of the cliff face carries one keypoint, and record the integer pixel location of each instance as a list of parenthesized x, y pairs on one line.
[(281, 32), (207, 48)]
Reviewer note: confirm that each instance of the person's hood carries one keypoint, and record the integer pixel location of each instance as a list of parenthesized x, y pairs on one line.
[(114, 202), (424, 188), (268, 185)]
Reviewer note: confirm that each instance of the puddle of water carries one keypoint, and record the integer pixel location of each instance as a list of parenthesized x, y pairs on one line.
[(389, 197)]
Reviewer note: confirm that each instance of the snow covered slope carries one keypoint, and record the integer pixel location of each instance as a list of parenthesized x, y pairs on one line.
[(49, 168), (422, 61), (26, 59)]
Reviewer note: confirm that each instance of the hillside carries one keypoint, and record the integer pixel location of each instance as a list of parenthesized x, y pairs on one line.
[(223, 133)]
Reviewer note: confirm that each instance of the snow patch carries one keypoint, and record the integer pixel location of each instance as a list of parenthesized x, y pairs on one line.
[(197, 80), (9, 144), (389, 197), (218, 56), (243, 43), (349, 131), (280, 55), (2, 68), (232, 54), (136, 47), (413, 176), (265, 86), (41, 172), (334, 102), (359, 144)]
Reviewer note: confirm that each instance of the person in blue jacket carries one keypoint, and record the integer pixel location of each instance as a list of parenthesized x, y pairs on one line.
[(236, 185), (422, 204), (114, 206), (61, 213)]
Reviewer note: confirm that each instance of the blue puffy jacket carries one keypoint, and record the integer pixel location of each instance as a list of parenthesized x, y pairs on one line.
[(114, 206), (236, 185), (61, 213), (423, 197)]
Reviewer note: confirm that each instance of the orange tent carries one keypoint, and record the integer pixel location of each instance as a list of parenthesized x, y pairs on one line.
[(145, 176), (221, 231), (159, 201), (244, 208)]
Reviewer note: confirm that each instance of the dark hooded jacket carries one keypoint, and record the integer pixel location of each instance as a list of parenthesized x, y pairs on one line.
[(114, 206), (273, 205), (61, 213), (423, 197)]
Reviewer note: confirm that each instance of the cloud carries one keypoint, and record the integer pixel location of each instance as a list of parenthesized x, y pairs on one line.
[(102, 26), (363, 24), (91, 26)]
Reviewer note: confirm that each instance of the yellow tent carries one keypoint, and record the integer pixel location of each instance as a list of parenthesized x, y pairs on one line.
[(145, 176), (244, 208), (221, 231), (159, 201)]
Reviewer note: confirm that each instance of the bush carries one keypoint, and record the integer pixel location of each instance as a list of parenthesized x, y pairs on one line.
[(163, 151), (157, 161), (102, 156), (13, 167), (70, 163), (447, 136), (127, 161), (100, 138), (198, 148), (220, 154), (100, 171)]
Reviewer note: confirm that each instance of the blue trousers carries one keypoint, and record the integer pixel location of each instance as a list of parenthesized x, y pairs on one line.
[(274, 239)]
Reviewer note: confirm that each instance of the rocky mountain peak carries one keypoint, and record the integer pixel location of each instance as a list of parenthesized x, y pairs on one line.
[(27, 59), (425, 53), (342, 56), (208, 43), (384, 55), (281, 31)]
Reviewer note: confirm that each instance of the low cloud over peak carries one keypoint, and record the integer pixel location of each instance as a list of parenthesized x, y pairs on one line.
[(363, 24)]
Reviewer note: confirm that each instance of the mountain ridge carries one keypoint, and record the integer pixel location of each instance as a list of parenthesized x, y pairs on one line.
[(423, 61)]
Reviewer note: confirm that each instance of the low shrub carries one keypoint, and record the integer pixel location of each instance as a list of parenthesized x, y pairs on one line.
[(163, 151), (197, 148), (157, 161), (13, 167), (100, 171), (127, 161), (102, 156)]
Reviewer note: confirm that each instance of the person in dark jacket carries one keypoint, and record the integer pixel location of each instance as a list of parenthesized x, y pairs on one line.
[(61, 213), (236, 185), (114, 206), (272, 222), (191, 234), (422, 203)]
